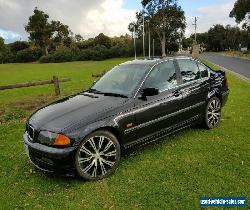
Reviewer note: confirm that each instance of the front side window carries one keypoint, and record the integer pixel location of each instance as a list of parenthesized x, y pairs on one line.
[(203, 69), (162, 77), (189, 70)]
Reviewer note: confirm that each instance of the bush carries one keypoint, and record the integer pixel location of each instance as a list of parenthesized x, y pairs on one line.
[(28, 55), (59, 56), (96, 53), (46, 59)]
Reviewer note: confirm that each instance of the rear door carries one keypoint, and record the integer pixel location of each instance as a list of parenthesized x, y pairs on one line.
[(194, 87)]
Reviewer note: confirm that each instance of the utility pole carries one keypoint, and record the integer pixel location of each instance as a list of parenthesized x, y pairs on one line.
[(134, 43), (149, 42), (143, 34), (195, 28), (153, 47)]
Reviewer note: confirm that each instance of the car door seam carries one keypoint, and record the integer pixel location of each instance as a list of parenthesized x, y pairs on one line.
[(162, 118)]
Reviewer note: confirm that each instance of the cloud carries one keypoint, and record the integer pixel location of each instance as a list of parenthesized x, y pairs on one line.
[(87, 17), (211, 15), (109, 18)]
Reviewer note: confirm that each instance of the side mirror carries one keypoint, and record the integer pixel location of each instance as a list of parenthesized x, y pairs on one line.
[(150, 92)]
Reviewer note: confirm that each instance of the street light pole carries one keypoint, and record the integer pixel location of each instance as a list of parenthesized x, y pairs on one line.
[(195, 28), (143, 34), (134, 43), (153, 47), (149, 42)]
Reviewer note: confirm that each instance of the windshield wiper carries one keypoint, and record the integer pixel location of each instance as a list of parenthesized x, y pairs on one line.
[(95, 91), (115, 95), (106, 93)]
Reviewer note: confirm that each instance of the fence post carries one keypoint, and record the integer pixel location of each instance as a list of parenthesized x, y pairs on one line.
[(56, 85)]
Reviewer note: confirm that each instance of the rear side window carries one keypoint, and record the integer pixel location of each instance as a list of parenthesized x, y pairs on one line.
[(162, 77), (189, 70), (203, 69)]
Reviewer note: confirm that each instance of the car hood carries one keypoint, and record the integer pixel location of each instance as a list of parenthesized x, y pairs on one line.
[(82, 108)]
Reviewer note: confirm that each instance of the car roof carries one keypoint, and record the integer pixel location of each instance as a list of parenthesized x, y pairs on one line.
[(153, 61)]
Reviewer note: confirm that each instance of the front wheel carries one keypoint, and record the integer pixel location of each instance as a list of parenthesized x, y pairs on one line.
[(213, 113), (97, 156)]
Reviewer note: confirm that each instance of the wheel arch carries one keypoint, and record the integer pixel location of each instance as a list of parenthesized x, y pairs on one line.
[(114, 131), (214, 93), (100, 125)]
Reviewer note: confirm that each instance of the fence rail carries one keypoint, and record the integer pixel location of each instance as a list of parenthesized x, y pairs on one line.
[(54, 81)]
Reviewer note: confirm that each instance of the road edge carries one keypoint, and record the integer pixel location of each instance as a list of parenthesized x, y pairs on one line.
[(236, 74)]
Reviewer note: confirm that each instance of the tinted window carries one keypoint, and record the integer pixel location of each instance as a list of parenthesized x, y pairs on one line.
[(122, 79), (162, 77), (203, 69), (189, 70)]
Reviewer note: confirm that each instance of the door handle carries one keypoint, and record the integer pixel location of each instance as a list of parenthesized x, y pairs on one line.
[(177, 93)]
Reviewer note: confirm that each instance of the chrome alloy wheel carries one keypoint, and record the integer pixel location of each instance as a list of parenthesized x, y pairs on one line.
[(213, 114), (97, 157)]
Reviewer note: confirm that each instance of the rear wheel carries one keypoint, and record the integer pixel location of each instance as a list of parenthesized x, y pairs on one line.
[(98, 155), (213, 113)]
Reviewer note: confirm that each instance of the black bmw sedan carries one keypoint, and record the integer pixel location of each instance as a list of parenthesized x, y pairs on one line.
[(134, 103)]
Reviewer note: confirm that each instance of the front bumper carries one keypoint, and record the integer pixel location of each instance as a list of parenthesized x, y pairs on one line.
[(48, 158)]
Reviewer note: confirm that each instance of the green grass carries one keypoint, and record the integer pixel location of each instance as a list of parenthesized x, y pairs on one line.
[(79, 72), (170, 174)]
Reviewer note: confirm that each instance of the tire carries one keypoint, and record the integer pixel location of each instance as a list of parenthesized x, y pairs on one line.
[(213, 113), (98, 156)]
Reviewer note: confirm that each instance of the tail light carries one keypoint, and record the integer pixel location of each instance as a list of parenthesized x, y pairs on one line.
[(225, 80)]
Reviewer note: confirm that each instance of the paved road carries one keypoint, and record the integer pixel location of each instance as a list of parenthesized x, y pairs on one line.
[(237, 65)]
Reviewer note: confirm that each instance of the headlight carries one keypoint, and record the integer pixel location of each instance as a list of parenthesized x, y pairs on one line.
[(49, 138)]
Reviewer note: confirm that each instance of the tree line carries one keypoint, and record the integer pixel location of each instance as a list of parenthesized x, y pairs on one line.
[(52, 41), (221, 38), (162, 23)]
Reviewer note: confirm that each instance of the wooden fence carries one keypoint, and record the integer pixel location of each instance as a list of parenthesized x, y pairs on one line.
[(55, 80)]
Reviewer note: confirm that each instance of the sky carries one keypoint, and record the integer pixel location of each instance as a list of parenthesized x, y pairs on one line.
[(111, 17)]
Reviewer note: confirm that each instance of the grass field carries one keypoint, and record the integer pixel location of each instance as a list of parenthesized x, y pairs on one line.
[(170, 174)]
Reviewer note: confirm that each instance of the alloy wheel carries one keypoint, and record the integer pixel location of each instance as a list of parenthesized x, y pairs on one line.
[(213, 112), (97, 157)]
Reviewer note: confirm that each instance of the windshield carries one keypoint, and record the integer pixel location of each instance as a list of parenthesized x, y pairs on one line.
[(121, 80)]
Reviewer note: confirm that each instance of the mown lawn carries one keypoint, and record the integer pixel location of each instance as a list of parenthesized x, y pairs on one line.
[(170, 174)]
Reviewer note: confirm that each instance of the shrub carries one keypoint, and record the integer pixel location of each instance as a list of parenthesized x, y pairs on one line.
[(46, 59), (64, 55), (28, 55)]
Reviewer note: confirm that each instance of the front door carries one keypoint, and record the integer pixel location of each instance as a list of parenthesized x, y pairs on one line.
[(156, 113)]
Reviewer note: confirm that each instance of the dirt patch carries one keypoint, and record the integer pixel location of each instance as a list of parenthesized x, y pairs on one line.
[(20, 110)]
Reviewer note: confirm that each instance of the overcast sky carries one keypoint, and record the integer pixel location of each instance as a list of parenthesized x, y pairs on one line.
[(111, 17)]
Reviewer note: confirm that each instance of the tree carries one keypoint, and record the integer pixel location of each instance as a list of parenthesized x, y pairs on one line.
[(61, 34), (101, 39), (241, 12), (166, 19), (40, 30), (18, 45), (3, 50), (78, 38), (187, 42)]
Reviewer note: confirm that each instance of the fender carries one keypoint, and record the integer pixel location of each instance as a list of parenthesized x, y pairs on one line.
[(81, 133)]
